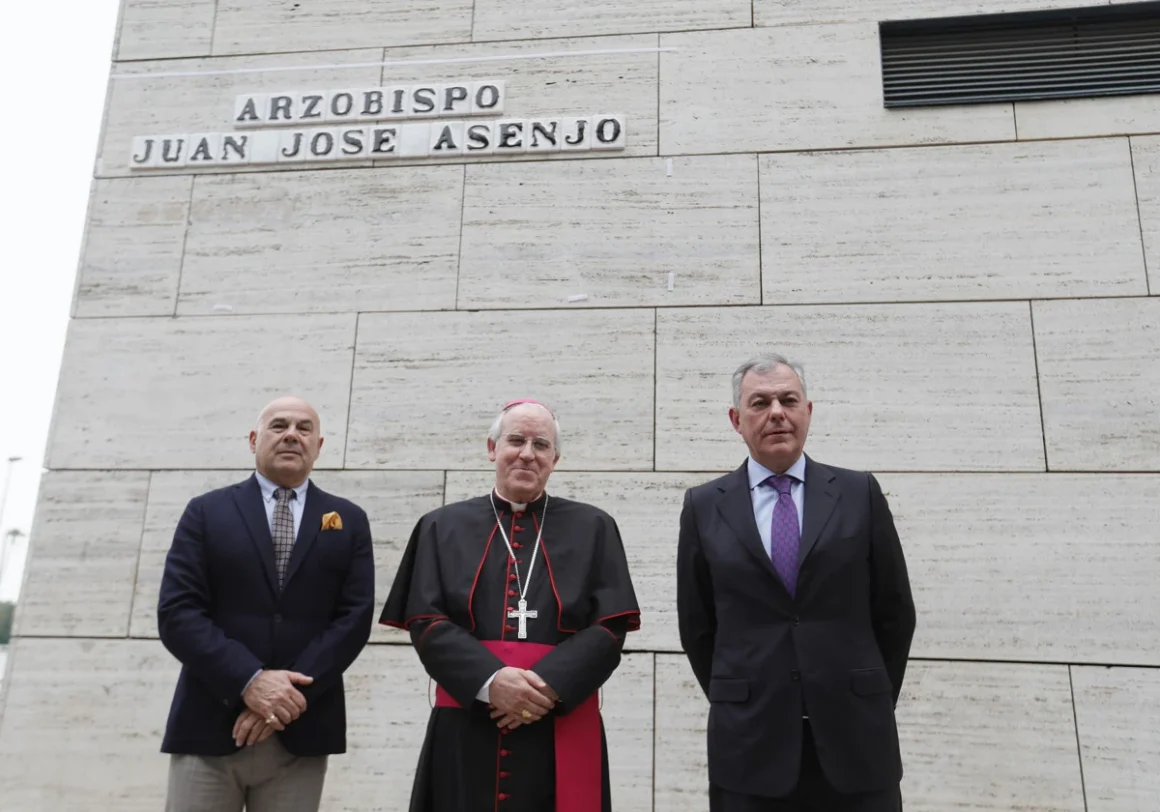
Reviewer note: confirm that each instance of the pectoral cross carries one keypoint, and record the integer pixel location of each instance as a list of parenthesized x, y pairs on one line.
[(523, 614)]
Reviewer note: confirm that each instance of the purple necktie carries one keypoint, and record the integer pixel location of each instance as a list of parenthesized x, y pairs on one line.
[(784, 534)]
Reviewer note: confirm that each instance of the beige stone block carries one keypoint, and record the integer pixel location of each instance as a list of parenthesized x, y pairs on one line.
[(162, 103), (1039, 567), (184, 393), (169, 493), (164, 29), (1099, 381), (1146, 160), (546, 79), (387, 710), (682, 772), (804, 12), (428, 385), (269, 26), (335, 241), (647, 509), (133, 247), (393, 502), (797, 88), (1118, 715), (627, 706), (1087, 118), (526, 19), (894, 387), (999, 221), (83, 558), (83, 724), (694, 218), (988, 736)]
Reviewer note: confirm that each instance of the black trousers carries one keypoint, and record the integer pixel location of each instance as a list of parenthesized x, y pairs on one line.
[(813, 792)]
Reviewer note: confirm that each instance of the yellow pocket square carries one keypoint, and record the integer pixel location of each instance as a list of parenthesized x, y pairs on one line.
[(331, 521)]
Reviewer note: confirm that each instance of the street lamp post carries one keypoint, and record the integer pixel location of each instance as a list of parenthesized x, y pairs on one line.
[(4, 493), (7, 544)]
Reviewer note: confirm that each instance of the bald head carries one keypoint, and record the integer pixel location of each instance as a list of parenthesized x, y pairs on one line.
[(287, 440), (287, 403)]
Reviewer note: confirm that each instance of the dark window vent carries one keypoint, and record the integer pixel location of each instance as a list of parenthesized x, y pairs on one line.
[(1105, 51)]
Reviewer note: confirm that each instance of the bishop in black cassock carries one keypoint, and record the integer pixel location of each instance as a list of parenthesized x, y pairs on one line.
[(518, 604)]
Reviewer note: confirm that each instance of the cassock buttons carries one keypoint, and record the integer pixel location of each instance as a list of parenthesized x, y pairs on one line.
[(505, 774), (512, 593), (519, 514), (516, 544), (505, 753), (509, 628), (512, 577), (503, 796)]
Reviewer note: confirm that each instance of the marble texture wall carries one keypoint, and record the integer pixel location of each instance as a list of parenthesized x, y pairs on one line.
[(973, 290)]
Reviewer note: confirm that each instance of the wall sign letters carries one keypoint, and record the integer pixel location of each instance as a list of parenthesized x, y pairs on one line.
[(410, 121)]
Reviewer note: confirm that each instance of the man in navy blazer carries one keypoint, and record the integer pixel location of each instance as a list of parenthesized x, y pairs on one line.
[(796, 615), (267, 598)]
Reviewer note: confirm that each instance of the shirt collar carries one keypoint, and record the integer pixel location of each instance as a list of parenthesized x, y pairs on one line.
[(269, 487), (758, 473)]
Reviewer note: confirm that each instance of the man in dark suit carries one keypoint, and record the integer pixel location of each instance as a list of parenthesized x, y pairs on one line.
[(796, 615), (267, 598)]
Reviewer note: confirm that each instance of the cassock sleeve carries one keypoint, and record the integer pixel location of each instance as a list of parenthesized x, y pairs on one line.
[(450, 654), (892, 614), (578, 666)]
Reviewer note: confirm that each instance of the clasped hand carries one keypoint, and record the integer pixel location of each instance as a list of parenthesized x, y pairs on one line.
[(520, 697), (272, 702)]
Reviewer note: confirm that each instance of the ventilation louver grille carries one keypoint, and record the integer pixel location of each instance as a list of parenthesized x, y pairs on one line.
[(1106, 51)]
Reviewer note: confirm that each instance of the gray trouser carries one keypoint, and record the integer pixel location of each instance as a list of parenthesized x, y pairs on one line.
[(262, 778)]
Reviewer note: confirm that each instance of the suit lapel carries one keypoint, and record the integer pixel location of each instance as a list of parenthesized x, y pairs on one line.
[(316, 503), (736, 507), (248, 497), (821, 498)]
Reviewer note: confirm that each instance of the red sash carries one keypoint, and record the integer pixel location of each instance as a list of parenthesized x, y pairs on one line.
[(579, 776)]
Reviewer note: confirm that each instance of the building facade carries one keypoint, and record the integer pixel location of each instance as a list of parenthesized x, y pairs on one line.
[(970, 287)]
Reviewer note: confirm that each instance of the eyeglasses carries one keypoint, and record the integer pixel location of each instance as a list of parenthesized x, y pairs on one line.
[(540, 445)]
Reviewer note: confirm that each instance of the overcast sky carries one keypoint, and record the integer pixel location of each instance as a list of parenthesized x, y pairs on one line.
[(54, 69)]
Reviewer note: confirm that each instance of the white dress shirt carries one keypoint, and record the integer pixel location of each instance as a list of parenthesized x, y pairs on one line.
[(764, 497)]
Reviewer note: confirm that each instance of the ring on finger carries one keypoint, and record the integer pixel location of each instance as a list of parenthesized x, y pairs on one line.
[(526, 714)]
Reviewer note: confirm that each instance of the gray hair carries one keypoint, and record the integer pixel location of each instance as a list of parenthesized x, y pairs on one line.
[(764, 363), (496, 429)]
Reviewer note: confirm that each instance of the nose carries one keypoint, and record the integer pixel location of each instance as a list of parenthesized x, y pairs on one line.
[(527, 452), (775, 410)]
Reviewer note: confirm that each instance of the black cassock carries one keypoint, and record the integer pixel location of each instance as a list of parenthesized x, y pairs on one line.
[(455, 587)]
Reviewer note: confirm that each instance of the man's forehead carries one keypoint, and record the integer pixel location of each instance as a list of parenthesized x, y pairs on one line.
[(528, 422), (776, 381), (291, 414)]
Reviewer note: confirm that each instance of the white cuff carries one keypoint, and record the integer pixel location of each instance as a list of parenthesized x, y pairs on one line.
[(484, 694)]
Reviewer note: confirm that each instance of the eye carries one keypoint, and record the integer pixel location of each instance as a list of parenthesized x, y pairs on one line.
[(542, 445)]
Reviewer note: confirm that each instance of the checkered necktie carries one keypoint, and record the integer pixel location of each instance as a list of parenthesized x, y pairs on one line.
[(784, 533), (283, 530)]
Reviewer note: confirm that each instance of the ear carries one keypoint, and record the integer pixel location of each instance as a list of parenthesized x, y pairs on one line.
[(491, 449), (253, 442), (321, 440), (735, 419), (809, 407)]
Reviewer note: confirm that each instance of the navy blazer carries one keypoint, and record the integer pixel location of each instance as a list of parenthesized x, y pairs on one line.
[(223, 617), (836, 651)]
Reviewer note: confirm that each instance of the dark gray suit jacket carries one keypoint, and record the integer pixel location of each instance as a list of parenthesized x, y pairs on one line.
[(836, 652)]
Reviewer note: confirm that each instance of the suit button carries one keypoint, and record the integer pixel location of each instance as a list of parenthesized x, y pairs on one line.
[(795, 675), (797, 620), (277, 618)]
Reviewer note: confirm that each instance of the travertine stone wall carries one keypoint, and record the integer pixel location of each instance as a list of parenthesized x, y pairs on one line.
[(973, 290)]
